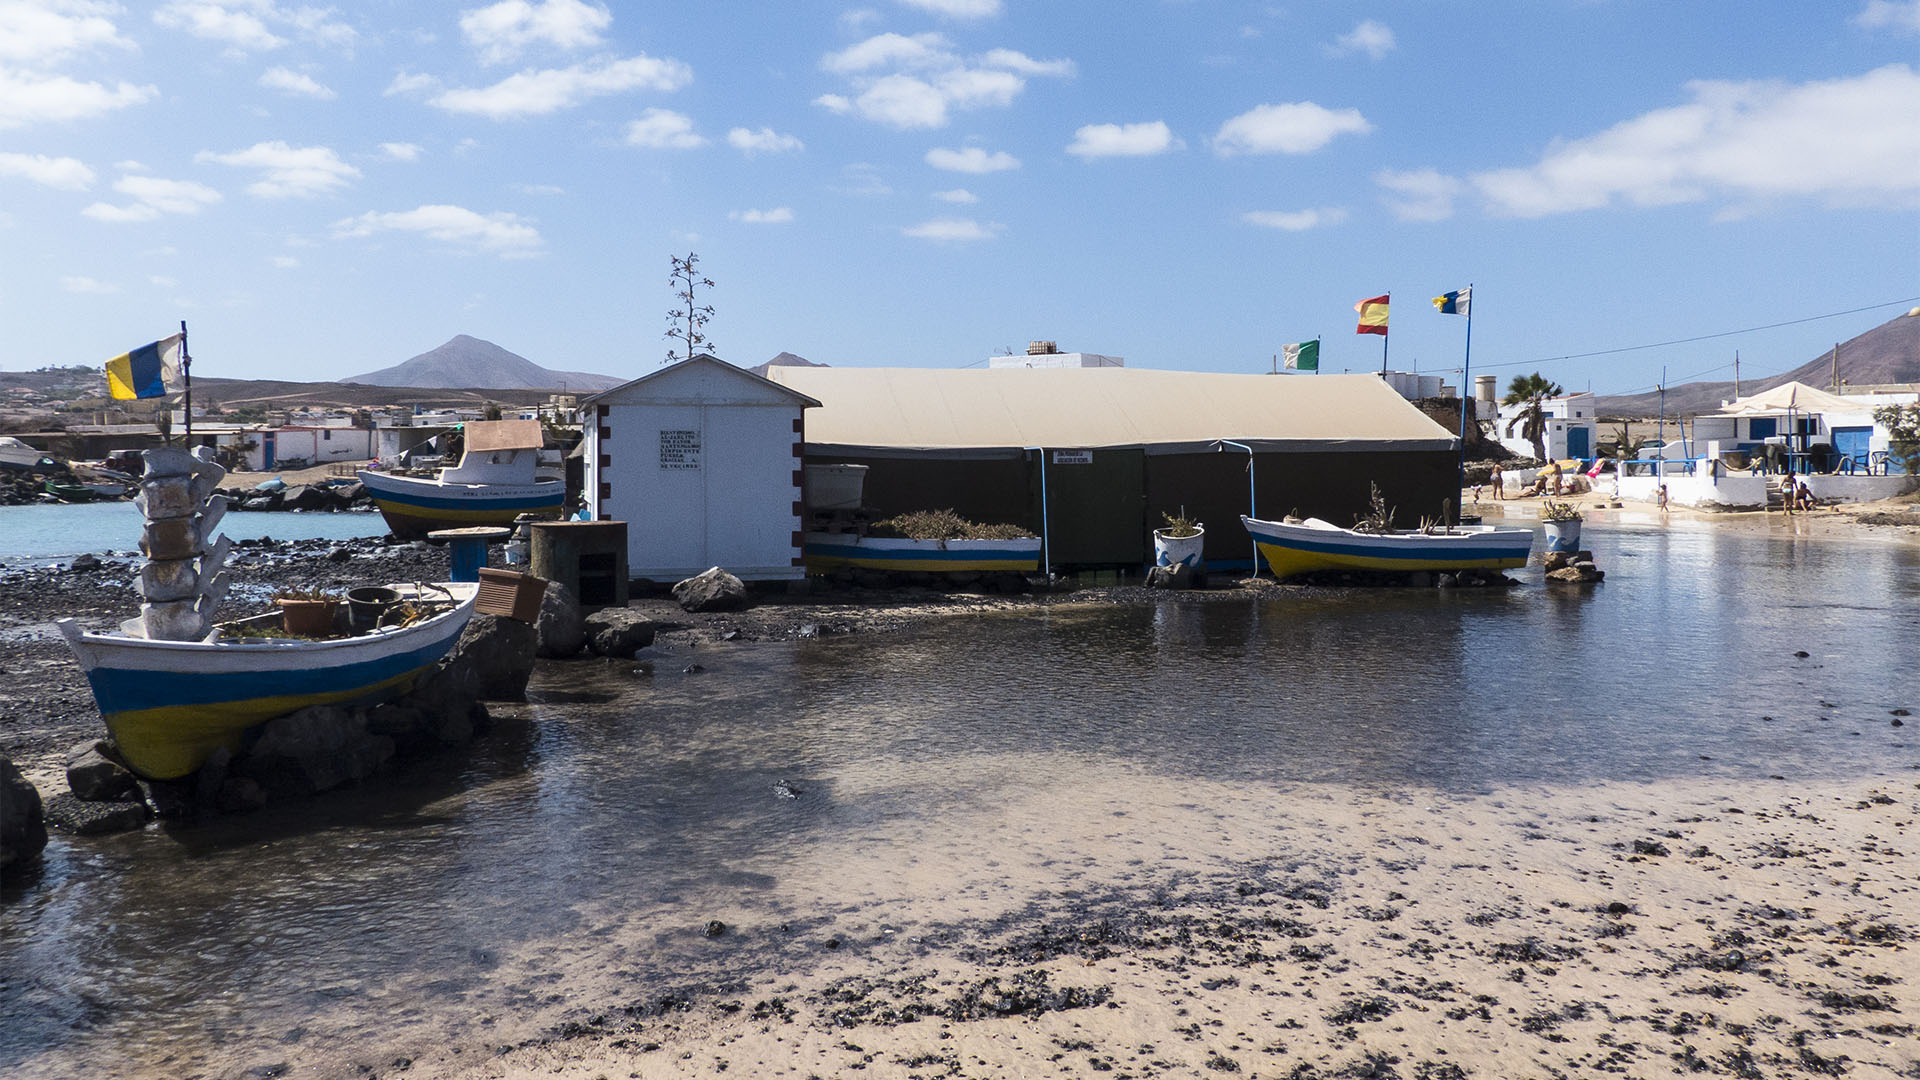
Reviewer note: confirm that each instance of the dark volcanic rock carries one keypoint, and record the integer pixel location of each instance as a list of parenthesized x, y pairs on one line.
[(83, 818), (713, 590), (313, 750), (23, 830), (501, 652), (562, 631), (618, 632), (94, 776)]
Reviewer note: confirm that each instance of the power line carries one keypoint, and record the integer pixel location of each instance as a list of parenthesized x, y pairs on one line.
[(1701, 337)]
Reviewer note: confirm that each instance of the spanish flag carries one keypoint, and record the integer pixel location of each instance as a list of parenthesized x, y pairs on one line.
[(1373, 316), (147, 372)]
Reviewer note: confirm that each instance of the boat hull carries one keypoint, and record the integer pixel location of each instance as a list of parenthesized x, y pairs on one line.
[(832, 551), (1290, 550), (415, 507), (171, 704)]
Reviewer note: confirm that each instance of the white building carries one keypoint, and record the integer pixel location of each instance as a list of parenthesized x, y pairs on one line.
[(1047, 354), (702, 460), (1570, 430)]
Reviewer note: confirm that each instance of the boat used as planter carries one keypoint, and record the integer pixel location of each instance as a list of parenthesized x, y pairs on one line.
[(1313, 544), (829, 551), (494, 483), (85, 491), (171, 704)]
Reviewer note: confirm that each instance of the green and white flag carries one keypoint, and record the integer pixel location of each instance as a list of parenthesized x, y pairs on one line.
[(1303, 356)]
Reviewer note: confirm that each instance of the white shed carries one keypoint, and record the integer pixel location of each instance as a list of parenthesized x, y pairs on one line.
[(702, 461)]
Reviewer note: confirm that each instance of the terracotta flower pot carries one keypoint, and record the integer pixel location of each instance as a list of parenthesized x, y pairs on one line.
[(308, 618)]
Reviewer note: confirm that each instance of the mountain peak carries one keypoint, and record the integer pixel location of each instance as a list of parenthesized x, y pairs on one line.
[(469, 363)]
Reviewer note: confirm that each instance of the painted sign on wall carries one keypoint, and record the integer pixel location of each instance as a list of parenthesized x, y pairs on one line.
[(679, 449)]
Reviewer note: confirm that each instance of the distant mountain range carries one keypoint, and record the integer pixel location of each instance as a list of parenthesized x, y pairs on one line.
[(469, 363), (785, 359), (1888, 353)]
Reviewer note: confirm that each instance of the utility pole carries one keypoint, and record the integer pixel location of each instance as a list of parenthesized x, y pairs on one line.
[(1736, 374), (1836, 367)]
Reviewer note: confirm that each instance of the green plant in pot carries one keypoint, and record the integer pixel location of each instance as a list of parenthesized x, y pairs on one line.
[(1181, 541), (307, 612), (1563, 525)]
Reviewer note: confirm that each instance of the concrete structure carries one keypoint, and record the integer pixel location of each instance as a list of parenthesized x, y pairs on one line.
[(1045, 354), (702, 460), (1570, 432), (1413, 386)]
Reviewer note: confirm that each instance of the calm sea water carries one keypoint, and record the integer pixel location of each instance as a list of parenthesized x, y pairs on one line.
[(568, 859), (29, 533)]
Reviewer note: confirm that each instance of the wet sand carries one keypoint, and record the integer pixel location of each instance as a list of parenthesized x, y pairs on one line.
[(1142, 926)]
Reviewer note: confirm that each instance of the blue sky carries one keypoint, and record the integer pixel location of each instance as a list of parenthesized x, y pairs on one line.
[(321, 191)]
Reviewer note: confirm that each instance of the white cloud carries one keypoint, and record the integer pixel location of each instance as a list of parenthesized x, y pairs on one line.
[(500, 31), (1295, 220), (1297, 127), (285, 262), (28, 98), (87, 286), (65, 173), (971, 159), (501, 233), (289, 171), (957, 9), (47, 33), (540, 189), (162, 281), (536, 93), (402, 151), (952, 230), (1419, 194), (1849, 141), (779, 215), (247, 25), (913, 82), (890, 50), (152, 197), (1123, 140), (1901, 15), (957, 195), (408, 83), (293, 82), (1370, 37), (862, 179), (663, 129), (764, 141)]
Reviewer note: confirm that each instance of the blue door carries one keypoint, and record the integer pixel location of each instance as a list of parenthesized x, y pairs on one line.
[(266, 451), (1579, 444), (1852, 442)]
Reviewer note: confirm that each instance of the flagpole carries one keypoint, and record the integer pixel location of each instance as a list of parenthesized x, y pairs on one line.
[(1466, 381), (186, 381)]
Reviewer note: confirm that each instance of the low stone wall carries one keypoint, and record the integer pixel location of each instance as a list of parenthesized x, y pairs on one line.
[(1698, 492), (1852, 489)]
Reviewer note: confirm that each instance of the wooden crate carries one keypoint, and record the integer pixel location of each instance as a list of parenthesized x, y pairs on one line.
[(509, 593)]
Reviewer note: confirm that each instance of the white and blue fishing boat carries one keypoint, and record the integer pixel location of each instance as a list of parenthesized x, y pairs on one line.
[(494, 483), (171, 704), (825, 551), (1293, 548)]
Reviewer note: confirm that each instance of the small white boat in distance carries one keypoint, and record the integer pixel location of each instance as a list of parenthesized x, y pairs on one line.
[(1291, 549), (494, 483)]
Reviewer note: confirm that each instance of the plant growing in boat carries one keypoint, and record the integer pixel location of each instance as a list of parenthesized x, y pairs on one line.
[(319, 595), (943, 525), (1379, 516), (1179, 525), (1558, 511)]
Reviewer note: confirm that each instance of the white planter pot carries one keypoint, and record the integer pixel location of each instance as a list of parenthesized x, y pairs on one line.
[(1174, 550), (1563, 536)]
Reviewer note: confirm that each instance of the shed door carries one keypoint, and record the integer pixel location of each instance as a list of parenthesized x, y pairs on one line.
[(1578, 445), (1097, 507), (1853, 442)]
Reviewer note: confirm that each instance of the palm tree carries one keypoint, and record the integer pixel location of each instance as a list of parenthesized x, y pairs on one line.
[(1532, 391)]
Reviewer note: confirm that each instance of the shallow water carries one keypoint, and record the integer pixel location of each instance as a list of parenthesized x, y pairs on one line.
[(58, 531), (952, 771)]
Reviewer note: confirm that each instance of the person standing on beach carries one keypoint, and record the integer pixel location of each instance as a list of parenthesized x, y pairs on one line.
[(1499, 489), (1663, 498)]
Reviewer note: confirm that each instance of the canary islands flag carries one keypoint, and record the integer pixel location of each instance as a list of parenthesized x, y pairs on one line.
[(147, 372), (1304, 356), (1373, 316), (1454, 303)]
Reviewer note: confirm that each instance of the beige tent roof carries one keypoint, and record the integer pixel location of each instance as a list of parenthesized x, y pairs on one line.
[(1165, 411), (1792, 396), (485, 435)]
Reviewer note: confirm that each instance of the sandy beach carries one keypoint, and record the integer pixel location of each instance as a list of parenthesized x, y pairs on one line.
[(1637, 930)]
